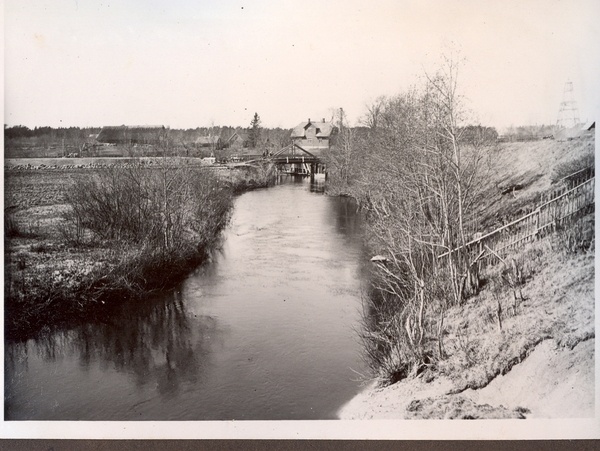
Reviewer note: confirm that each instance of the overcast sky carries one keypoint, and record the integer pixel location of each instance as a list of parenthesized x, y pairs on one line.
[(185, 63)]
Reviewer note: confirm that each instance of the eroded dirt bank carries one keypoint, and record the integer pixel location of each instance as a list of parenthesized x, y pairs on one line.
[(550, 383)]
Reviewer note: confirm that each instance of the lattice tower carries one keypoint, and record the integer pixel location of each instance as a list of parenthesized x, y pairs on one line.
[(568, 114)]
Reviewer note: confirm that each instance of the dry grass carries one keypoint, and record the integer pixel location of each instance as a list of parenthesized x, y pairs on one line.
[(529, 168), (557, 310), (555, 301), (545, 291)]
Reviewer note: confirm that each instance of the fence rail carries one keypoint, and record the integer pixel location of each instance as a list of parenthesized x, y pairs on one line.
[(555, 210), (577, 178)]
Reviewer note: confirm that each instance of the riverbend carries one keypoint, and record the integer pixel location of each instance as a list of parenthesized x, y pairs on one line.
[(265, 331)]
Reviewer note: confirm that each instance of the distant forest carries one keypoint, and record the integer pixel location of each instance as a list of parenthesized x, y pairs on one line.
[(22, 141), (21, 131), (186, 135)]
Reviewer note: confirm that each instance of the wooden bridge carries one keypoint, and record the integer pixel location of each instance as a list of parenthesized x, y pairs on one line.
[(292, 159)]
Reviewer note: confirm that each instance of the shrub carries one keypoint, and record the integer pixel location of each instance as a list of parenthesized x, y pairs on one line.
[(402, 330), (159, 220)]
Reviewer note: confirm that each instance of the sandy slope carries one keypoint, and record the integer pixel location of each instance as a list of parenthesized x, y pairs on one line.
[(550, 383), (391, 402)]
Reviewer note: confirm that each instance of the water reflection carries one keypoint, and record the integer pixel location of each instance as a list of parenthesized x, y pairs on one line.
[(155, 343), (317, 185), (347, 219), (343, 211)]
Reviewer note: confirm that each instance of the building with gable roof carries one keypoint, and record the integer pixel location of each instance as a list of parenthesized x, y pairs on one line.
[(313, 136), (133, 134), (210, 141), (237, 140)]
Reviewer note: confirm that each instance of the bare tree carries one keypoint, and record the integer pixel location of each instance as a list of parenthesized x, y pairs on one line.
[(417, 180), (373, 113), (342, 158)]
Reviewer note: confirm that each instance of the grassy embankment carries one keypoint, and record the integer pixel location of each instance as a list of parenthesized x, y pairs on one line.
[(542, 299), (78, 241)]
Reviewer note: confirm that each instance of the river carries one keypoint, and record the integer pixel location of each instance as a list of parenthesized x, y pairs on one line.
[(265, 331)]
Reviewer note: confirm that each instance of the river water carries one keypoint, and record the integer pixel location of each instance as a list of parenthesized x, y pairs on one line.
[(266, 331)]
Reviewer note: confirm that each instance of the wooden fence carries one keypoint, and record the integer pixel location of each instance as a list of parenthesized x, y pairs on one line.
[(557, 209), (577, 178)]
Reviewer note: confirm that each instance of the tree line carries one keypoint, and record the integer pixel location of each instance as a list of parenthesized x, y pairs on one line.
[(254, 136), (21, 131), (44, 141)]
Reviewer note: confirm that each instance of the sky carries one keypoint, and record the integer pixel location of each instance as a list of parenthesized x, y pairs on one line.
[(185, 64)]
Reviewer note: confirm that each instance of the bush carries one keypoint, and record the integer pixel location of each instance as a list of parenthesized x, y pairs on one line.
[(160, 220), (403, 323), (145, 205), (143, 228)]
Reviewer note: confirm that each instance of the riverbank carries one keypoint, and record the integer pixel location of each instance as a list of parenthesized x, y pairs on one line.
[(539, 365), (58, 273), (523, 347)]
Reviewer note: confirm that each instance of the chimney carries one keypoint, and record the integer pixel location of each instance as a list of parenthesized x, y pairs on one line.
[(323, 120)]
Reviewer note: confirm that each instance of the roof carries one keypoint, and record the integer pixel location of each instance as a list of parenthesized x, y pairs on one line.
[(207, 140), (130, 133), (323, 129), (242, 136), (590, 126)]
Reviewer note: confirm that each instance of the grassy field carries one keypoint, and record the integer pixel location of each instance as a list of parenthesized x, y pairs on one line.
[(55, 150), (80, 163)]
